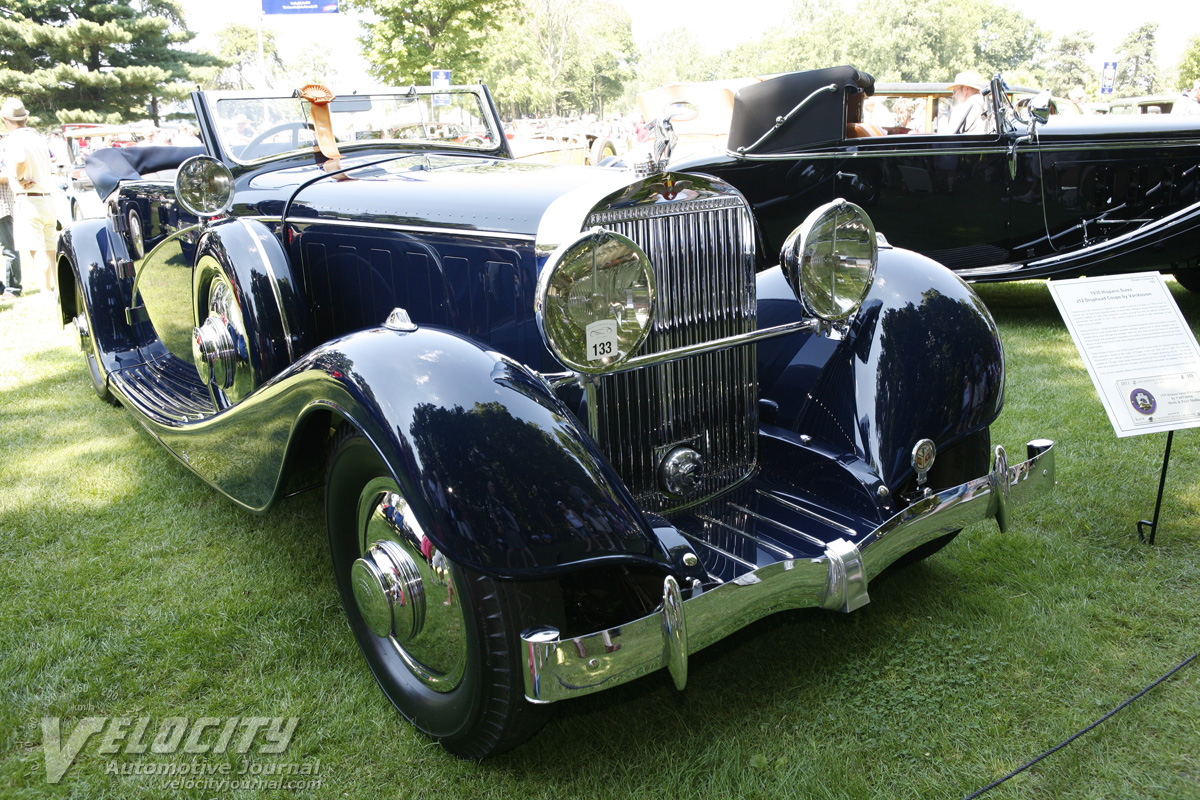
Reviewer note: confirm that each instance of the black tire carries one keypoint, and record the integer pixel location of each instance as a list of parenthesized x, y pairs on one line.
[(1189, 279), (968, 459), (485, 712), (137, 236), (87, 346)]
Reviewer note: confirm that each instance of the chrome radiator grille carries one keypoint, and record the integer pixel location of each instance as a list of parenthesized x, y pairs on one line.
[(703, 256)]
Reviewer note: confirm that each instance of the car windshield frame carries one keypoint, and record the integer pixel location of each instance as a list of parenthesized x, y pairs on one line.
[(413, 118)]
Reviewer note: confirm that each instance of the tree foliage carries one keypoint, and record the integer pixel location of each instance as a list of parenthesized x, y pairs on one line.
[(1137, 72), (80, 61), (1069, 64), (560, 56), (408, 38), (238, 49), (1188, 69), (919, 40)]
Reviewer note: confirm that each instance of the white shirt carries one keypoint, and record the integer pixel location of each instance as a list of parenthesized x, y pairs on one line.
[(967, 116), (27, 156)]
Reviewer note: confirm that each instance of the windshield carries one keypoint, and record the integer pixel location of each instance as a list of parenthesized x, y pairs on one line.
[(253, 126)]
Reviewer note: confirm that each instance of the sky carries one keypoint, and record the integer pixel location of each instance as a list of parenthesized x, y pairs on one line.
[(1109, 20)]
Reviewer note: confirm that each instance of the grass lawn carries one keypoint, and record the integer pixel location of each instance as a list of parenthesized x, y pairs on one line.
[(130, 589)]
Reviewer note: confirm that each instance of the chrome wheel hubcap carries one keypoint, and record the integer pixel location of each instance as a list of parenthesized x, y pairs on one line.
[(405, 590), (389, 591)]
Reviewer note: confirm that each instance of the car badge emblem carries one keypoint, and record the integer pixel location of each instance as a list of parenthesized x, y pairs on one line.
[(670, 188), (923, 454)]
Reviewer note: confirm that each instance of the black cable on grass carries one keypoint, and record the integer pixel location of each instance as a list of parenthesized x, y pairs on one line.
[(1073, 737)]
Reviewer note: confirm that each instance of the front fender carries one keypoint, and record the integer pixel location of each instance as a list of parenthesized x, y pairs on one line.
[(489, 459), (928, 363), (922, 360)]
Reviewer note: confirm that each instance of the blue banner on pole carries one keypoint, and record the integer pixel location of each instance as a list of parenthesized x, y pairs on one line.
[(440, 79), (1107, 77), (300, 6)]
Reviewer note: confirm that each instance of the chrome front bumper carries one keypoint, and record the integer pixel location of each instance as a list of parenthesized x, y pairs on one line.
[(557, 668)]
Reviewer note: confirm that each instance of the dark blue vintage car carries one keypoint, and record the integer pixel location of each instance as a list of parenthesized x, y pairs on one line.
[(1038, 196), (569, 432)]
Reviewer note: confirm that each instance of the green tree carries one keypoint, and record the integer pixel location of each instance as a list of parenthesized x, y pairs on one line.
[(408, 38), (1137, 72), (1007, 41), (602, 59), (314, 64), (80, 61), (923, 40), (805, 40), (676, 56), (238, 49), (1069, 64), (1188, 69), (560, 56)]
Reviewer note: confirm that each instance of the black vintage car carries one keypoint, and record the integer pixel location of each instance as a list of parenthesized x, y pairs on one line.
[(569, 432), (1041, 196)]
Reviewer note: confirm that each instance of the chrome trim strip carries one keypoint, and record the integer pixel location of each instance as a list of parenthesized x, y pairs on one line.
[(520, 237), (1115, 242), (853, 151), (558, 668), (726, 343), (749, 536), (718, 550), (283, 317), (779, 525), (809, 513)]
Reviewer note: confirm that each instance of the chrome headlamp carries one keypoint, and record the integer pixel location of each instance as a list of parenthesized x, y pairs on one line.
[(595, 301), (830, 260)]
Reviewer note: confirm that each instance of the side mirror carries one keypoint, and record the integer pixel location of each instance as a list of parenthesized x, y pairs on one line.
[(1040, 106)]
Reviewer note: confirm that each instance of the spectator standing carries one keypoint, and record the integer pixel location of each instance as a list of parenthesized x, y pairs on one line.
[(10, 262), (27, 165), (1190, 102)]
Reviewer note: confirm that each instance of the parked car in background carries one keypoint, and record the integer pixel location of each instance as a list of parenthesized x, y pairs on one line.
[(919, 107), (1044, 196), (81, 139), (560, 144), (570, 431), (1149, 104)]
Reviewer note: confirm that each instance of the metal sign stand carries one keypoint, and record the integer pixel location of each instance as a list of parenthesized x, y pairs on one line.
[(1147, 384), (1144, 525)]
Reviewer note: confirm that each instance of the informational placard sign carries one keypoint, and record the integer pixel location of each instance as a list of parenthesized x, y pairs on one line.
[(1138, 349), (1108, 77), (300, 6), (440, 79)]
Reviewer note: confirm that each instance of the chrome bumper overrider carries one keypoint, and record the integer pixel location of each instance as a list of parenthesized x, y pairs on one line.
[(556, 668)]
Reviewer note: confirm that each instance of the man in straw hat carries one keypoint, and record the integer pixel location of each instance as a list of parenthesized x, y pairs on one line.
[(970, 109), (27, 166)]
